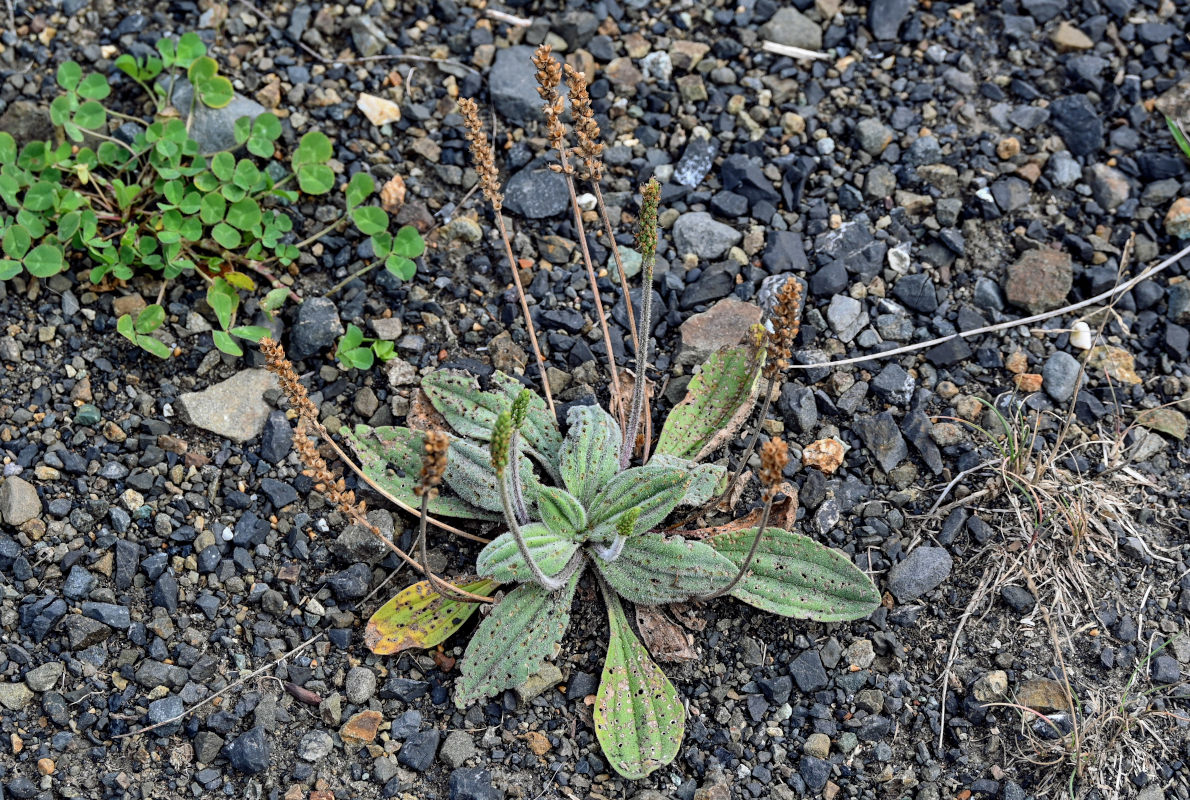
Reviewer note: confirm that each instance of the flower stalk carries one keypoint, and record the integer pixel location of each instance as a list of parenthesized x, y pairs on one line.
[(646, 240), (773, 458), (489, 182), (502, 434)]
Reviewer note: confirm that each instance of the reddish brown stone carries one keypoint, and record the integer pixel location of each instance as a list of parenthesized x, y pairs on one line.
[(1039, 280)]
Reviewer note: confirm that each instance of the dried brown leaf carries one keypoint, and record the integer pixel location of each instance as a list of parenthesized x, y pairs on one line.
[(663, 637)]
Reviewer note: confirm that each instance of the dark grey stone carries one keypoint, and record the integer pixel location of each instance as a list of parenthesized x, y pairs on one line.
[(250, 751), (317, 328), (922, 571), (807, 671)]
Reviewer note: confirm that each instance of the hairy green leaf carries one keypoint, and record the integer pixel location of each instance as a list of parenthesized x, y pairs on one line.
[(655, 490), (501, 558), (590, 454), (795, 576), (514, 641), (561, 512), (392, 457), (706, 480), (472, 412), (717, 403), (653, 570), (639, 717), (419, 618), (470, 474)]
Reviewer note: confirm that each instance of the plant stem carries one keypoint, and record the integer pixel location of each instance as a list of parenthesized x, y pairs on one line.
[(764, 412), (581, 232), (520, 291), (642, 361), (338, 286), (316, 236), (607, 230), (543, 580), (764, 523), (612, 551), (518, 493), (440, 586)]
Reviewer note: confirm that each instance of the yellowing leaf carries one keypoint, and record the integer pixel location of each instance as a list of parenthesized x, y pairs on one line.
[(419, 617)]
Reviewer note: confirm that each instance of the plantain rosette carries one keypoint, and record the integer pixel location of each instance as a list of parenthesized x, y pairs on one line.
[(588, 514)]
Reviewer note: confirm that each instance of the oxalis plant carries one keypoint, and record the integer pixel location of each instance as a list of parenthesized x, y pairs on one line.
[(144, 199), (597, 499)]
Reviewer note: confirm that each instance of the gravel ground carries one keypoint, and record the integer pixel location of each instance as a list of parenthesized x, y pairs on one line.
[(943, 168)]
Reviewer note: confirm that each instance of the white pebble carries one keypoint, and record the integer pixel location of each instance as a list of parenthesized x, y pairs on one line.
[(586, 201), (1080, 336)]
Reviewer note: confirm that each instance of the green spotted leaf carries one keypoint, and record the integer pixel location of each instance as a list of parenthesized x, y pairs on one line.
[(514, 640), (470, 475), (590, 453), (392, 457), (472, 412), (501, 558), (418, 617), (795, 576), (561, 512), (653, 570), (639, 716), (718, 401), (655, 490), (706, 480)]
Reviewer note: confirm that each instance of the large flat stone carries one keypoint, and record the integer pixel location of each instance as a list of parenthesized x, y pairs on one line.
[(234, 409), (722, 325)]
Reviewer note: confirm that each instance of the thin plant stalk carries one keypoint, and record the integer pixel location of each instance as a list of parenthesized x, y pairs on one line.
[(543, 580), (520, 293), (747, 562), (437, 584), (518, 491), (607, 230), (646, 238), (751, 448), (580, 230), (773, 458)]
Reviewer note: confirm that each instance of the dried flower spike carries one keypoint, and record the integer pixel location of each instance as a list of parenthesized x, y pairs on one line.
[(786, 322), (549, 77), (586, 129), (774, 455), (433, 463), (481, 153)]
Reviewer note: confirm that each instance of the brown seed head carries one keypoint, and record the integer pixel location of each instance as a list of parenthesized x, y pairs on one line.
[(481, 153), (586, 129), (786, 322), (433, 463), (279, 365), (549, 77), (774, 455)]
